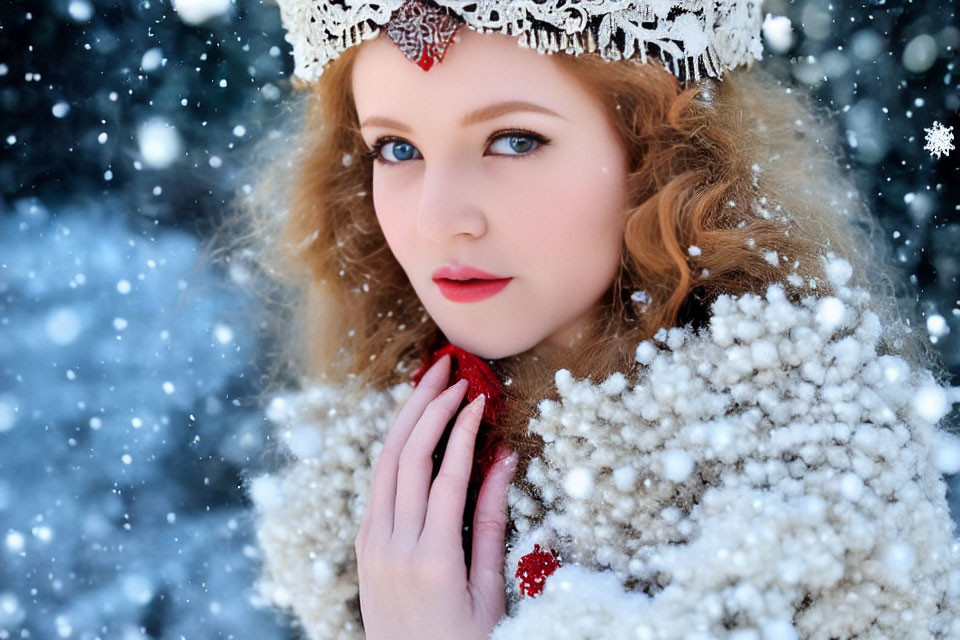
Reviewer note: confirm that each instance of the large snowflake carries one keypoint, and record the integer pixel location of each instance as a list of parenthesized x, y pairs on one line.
[(939, 139)]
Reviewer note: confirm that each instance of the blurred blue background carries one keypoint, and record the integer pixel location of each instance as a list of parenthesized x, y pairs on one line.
[(129, 361)]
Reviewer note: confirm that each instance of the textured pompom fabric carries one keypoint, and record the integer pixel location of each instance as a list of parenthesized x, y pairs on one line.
[(772, 470), (774, 475), (309, 513)]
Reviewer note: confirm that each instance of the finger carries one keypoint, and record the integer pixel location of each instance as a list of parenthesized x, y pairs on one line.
[(444, 518), (384, 485), (416, 463), (489, 528)]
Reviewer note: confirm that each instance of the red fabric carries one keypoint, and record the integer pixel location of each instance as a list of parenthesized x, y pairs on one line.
[(480, 379), (533, 569), (478, 374)]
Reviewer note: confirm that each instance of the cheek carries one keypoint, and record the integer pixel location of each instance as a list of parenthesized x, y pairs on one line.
[(575, 221), (392, 216)]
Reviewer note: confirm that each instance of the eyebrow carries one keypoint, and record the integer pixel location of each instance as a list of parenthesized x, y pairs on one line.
[(482, 114)]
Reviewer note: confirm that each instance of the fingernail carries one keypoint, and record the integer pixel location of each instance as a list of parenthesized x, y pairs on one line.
[(479, 401), (437, 366), (506, 456), (457, 386)]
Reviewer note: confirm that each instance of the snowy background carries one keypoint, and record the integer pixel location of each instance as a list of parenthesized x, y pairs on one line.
[(128, 361)]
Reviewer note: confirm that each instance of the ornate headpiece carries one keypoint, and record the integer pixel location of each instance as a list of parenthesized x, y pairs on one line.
[(687, 36)]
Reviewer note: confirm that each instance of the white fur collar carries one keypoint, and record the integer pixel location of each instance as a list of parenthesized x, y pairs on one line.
[(771, 474)]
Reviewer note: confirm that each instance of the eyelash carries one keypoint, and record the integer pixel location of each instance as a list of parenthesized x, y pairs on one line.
[(374, 153)]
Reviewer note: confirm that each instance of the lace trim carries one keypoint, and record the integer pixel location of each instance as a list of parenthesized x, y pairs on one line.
[(689, 34)]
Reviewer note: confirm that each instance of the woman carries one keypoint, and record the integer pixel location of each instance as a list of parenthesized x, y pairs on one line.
[(682, 327)]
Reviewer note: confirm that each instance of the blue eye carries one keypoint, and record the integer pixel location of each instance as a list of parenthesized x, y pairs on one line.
[(518, 143), (402, 150)]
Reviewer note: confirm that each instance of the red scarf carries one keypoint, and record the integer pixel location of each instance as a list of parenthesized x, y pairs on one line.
[(478, 374)]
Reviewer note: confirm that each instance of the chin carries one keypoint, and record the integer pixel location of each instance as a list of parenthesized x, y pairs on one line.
[(486, 346)]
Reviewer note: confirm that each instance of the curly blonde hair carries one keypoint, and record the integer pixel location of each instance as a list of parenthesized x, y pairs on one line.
[(744, 168)]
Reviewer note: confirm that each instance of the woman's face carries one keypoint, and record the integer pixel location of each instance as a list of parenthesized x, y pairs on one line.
[(455, 184)]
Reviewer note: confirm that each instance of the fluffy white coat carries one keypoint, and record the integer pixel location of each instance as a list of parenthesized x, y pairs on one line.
[(770, 477)]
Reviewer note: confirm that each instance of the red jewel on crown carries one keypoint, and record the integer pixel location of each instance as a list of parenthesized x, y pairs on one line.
[(533, 569), (422, 31)]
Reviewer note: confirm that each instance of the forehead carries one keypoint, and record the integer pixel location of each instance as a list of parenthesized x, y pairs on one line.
[(478, 68)]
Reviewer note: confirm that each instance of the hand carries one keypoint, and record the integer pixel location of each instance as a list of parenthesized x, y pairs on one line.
[(410, 560)]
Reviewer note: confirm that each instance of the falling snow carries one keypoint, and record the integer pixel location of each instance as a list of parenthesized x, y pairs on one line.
[(126, 397), (199, 11), (99, 376), (939, 140), (159, 143)]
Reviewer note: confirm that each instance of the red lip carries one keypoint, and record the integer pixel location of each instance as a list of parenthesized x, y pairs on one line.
[(463, 272), (470, 290)]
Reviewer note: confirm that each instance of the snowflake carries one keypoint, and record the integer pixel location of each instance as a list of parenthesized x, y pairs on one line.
[(939, 139)]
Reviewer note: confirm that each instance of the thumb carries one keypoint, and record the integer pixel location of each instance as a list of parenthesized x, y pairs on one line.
[(489, 529)]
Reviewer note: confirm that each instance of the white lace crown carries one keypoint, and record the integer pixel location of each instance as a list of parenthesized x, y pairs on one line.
[(686, 35)]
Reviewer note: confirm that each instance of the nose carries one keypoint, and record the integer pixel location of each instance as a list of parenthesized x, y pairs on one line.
[(448, 205)]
